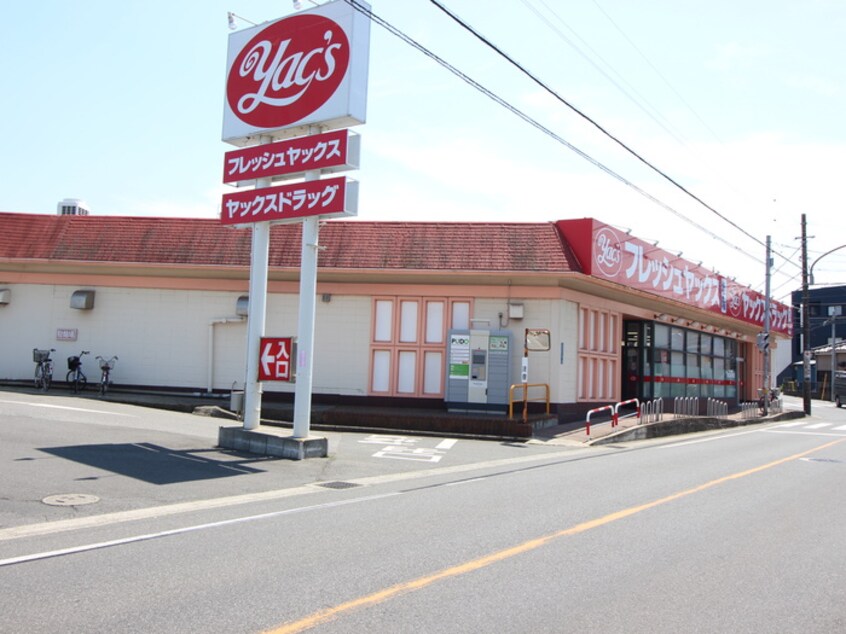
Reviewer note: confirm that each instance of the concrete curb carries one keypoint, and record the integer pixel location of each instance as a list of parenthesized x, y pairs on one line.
[(681, 426)]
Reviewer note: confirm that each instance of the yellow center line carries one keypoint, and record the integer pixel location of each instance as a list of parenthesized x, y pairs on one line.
[(328, 614)]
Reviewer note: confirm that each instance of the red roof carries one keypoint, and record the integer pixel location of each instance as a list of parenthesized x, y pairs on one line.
[(427, 246)]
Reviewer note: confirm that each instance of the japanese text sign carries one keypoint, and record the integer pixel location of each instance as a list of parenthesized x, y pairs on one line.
[(329, 197), (330, 152), (605, 253), (276, 359)]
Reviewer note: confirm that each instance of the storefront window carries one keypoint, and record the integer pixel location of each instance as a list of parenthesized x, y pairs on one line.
[(662, 336), (678, 362), (693, 342), (731, 368), (706, 370), (692, 373), (662, 371), (719, 375), (677, 371), (705, 343)]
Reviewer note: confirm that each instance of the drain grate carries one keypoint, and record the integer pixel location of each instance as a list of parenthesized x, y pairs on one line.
[(70, 499), (338, 485)]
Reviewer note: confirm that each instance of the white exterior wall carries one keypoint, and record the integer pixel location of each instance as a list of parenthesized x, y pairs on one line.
[(341, 342), (561, 318), (162, 336)]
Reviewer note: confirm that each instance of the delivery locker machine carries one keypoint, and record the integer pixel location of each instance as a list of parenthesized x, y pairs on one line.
[(479, 363)]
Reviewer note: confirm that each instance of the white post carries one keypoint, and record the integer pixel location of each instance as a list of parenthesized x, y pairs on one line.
[(256, 313), (767, 357), (305, 327), (833, 354)]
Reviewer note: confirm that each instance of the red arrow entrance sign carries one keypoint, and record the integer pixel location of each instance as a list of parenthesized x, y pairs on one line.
[(276, 359)]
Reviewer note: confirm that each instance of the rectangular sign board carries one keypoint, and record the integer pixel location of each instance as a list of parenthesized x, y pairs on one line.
[(305, 69), (329, 198), (611, 254), (276, 359), (329, 152)]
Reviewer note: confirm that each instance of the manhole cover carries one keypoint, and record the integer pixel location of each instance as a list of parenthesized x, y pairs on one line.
[(70, 499), (338, 485)]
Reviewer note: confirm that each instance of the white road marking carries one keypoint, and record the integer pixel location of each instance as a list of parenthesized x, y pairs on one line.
[(447, 443), (68, 408), (709, 439), (818, 426), (106, 519), (186, 529), (796, 432)]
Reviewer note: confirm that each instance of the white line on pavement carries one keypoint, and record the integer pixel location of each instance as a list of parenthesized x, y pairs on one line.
[(68, 408), (186, 529)]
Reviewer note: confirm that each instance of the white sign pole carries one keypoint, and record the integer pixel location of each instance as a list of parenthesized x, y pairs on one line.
[(305, 324), (256, 313)]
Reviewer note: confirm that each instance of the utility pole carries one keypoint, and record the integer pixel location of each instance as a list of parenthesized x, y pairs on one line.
[(767, 330), (806, 324)]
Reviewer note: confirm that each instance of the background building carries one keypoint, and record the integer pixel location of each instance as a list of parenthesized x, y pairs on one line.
[(169, 296)]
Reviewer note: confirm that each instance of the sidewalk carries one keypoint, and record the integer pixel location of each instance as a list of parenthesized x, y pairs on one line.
[(420, 421), (630, 428)]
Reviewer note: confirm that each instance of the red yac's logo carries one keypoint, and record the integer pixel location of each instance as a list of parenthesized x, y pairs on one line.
[(608, 254), (287, 71)]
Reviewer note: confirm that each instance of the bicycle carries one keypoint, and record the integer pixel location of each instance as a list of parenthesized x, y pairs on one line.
[(105, 369), (43, 368), (75, 377)]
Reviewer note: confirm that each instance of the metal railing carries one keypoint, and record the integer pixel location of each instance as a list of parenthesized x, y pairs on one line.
[(610, 408), (525, 398), (620, 404)]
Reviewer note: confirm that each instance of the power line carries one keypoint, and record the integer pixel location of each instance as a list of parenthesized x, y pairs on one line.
[(534, 123), (653, 67), (648, 109), (594, 123)]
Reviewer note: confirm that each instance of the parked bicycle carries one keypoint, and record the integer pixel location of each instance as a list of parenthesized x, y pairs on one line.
[(75, 376), (43, 368), (105, 370)]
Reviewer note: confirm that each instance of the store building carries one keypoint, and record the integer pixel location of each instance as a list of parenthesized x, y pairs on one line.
[(402, 307)]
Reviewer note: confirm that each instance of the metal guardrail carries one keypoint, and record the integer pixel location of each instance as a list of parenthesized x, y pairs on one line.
[(525, 398), (620, 404), (610, 408)]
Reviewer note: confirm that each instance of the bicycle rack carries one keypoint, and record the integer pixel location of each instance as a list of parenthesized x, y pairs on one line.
[(652, 411)]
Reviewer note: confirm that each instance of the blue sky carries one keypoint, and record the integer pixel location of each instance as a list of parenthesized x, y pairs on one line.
[(742, 103)]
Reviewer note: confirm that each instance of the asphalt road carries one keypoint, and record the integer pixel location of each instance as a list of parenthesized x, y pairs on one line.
[(733, 531)]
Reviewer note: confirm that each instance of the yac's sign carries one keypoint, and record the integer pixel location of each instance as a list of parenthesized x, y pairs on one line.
[(327, 198), (333, 151), (305, 69), (604, 252)]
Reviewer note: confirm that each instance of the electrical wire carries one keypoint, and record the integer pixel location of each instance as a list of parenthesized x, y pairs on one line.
[(534, 123), (594, 123)]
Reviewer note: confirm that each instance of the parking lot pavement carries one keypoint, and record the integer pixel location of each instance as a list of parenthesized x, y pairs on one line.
[(63, 458)]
